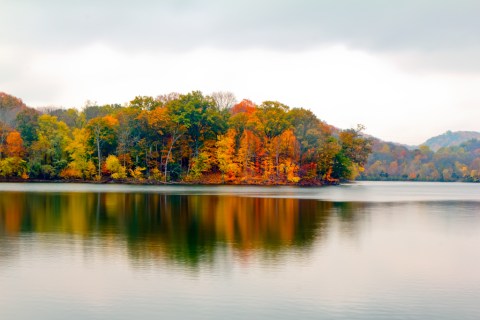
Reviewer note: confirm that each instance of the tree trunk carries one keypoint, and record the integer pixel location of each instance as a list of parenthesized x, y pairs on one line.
[(166, 160), (99, 158)]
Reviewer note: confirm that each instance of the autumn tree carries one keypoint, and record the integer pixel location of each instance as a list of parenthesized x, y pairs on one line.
[(330, 166), (116, 169), (128, 132), (354, 153), (13, 164), (103, 133), (14, 145), (193, 137), (194, 118), (250, 153), (272, 122), (226, 156), (80, 166)]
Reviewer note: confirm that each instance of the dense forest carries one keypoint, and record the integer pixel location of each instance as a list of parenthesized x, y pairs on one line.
[(189, 138), (390, 161)]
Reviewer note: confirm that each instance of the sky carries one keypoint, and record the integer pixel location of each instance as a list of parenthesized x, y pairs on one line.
[(406, 70)]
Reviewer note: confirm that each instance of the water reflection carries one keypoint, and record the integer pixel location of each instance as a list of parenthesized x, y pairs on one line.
[(182, 228), (121, 255)]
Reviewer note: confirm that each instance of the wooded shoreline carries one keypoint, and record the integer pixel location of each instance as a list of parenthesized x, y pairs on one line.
[(181, 138), (169, 183)]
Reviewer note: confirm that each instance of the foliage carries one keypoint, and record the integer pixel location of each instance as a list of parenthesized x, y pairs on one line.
[(113, 165), (390, 161), (184, 137)]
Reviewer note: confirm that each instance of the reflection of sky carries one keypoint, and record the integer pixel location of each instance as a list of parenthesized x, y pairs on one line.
[(359, 191), (416, 260)]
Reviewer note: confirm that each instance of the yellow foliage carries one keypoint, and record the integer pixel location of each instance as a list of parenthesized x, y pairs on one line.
[(137, 173), (225, 155), (156, 174), (113, 165)]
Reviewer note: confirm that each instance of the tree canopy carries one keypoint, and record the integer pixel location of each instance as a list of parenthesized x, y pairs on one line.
[(191, 137)]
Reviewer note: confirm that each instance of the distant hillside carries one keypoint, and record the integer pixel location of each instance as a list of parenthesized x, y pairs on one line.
[(10, 106), (392, 161), (450, 139)]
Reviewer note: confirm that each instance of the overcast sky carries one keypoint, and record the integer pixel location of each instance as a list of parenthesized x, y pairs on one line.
[(407, 70)]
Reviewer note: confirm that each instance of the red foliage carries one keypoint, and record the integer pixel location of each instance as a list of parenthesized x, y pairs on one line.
[(245, 105)]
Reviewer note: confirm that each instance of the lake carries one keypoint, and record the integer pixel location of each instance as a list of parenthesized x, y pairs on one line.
[(367, 250)]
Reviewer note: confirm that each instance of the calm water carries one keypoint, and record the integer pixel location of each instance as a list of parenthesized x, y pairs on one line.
[(360, 251)]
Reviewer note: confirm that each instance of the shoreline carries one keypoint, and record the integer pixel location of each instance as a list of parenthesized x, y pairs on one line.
[(161, 183)]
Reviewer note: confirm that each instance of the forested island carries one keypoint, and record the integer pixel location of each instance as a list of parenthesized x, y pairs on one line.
[(185, 138)]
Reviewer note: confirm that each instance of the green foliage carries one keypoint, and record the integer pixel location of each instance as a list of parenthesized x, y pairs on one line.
[(272, 119), (49, 150), (13, 167), (72, 117), (27, 125), (201, 164), (187, 137), (144, 103)]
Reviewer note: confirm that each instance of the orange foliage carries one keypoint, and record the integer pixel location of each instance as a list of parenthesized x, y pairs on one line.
[(245, 106), (71, 173), (14, 145)]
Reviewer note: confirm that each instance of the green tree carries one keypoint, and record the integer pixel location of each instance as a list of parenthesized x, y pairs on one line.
[(27, 124), (49, 155), (145, 103)]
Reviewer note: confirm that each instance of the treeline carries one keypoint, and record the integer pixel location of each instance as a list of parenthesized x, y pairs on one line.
[(177, 138), (390, 161)]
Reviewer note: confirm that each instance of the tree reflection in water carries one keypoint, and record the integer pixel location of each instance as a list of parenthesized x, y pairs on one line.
[(186, 229)]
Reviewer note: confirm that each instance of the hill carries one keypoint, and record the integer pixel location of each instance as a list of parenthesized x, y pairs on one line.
[(450, 139), (392, 161), (10, 106)]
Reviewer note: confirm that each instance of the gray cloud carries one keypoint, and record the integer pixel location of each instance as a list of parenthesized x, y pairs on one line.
[(448, 29)]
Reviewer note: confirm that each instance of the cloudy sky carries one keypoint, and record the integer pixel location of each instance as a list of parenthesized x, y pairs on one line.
[(407, 70)]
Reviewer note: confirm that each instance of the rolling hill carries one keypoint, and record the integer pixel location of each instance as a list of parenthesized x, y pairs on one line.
[(450, 139)]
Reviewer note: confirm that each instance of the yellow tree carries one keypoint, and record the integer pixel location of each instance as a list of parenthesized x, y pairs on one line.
[(80, 166), (250, 153), (226, 155), (287, 155), (112, 163), (272, 121)]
